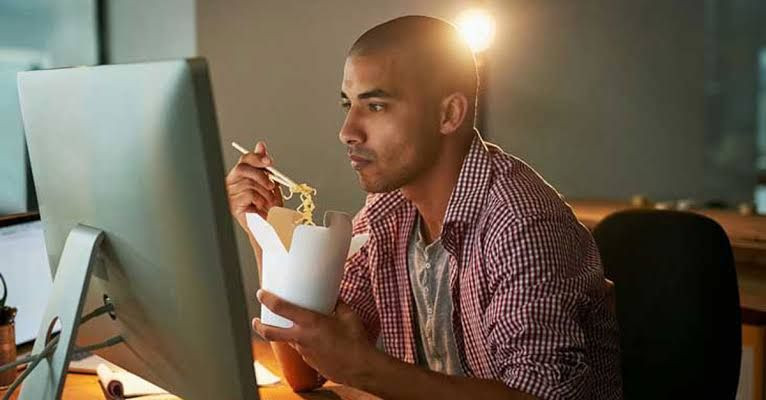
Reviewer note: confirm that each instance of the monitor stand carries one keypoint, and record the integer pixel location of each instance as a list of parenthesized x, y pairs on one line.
[(46, 380)]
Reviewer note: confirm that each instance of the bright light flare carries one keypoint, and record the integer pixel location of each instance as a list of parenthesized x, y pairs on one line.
[(477, 28)]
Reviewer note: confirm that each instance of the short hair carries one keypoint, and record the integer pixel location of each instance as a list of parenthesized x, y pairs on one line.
[(435, 45)]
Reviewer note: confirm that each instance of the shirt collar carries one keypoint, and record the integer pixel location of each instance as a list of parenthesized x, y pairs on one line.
[(472, 185)]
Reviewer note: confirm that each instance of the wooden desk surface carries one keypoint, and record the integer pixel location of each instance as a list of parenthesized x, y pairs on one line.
[(86, 387)]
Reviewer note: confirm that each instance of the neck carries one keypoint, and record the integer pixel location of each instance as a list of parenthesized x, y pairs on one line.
[(431, 191)]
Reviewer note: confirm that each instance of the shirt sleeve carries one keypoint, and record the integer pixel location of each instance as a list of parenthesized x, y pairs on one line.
[(355, 288), (543, 270)]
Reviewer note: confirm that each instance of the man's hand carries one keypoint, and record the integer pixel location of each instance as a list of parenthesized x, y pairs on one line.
[(337, 346), (249, 188)]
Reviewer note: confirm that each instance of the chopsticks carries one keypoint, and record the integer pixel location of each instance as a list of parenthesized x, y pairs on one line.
[(274, 173)]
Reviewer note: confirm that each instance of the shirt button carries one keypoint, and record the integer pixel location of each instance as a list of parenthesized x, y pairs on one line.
[(428, 265)]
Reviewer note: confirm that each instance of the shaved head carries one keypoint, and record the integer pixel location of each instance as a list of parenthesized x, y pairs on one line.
[(409, 93), (433, 48)]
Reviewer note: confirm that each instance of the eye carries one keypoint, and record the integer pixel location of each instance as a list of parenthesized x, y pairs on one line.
[(376, 107), (345, 105)]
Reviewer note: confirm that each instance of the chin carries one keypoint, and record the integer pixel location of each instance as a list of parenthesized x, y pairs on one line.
[(369, 187), (372, 185), (367, 184)]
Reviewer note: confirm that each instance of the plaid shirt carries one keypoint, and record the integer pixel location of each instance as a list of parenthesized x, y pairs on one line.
[(526, 282)]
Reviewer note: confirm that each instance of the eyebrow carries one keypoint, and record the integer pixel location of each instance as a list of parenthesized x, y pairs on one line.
[(380, 93)]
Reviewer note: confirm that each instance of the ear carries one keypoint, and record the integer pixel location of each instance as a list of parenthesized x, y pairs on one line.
[(453, 112)]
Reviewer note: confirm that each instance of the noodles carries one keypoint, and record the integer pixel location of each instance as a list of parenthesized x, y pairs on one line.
[(306, 208)]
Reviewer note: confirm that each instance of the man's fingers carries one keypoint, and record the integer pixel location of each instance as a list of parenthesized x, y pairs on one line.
[(263, 155), (247, 184), (246, 199), (260, 148), (273, 333), (277, 193), (257, 174), (256, 160), (298, 315), (246, 171)]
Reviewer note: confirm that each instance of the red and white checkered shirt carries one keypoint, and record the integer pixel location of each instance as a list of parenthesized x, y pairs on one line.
[(526, 282)]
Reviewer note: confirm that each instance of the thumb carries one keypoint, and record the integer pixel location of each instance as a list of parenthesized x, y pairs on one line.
[(260, 150), (348, 318)]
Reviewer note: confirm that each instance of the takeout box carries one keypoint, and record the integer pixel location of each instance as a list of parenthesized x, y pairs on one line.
[(303, 264)]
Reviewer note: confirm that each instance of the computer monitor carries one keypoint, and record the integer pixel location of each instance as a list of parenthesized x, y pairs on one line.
[(26, 271), (133, 151)]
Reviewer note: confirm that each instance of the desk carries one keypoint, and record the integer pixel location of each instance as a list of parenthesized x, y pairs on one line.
[(86, 387)]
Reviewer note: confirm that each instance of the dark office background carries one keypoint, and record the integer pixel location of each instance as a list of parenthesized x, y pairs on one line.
[(605, 98)]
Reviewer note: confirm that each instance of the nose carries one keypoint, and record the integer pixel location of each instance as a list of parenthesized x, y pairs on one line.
[(351, 132)]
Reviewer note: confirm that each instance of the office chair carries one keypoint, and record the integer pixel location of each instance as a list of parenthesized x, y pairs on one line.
[(677, 303)]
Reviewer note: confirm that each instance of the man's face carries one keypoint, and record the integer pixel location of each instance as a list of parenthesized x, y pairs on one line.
[(392, 124)]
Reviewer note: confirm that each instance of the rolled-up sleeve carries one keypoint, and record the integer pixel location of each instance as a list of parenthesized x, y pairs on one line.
[(541, 278)]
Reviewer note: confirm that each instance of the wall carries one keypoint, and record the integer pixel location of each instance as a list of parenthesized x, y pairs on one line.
[(607, 99), (149, 30), (35, 34)]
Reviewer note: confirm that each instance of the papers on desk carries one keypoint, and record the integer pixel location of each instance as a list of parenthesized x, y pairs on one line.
[(121, 384), (263, 376), (88, 365)]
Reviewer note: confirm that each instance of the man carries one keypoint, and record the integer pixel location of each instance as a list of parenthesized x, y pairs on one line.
[(478, 280)]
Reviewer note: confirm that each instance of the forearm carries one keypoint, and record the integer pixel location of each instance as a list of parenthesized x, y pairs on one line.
[(389, 378)]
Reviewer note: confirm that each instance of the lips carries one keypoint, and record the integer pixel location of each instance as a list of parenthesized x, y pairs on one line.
[(358, 163)]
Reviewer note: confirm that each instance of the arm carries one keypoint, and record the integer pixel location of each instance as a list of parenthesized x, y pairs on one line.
[(250, 190), (414, 382), (318, 339), (546, 283)]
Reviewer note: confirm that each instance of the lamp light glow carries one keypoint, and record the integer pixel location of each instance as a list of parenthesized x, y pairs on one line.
[(477, 28)]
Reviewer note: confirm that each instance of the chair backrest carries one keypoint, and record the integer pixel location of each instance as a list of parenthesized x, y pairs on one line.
[(677, 303)]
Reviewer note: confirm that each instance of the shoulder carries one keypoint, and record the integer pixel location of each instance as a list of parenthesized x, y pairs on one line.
[(520, 201), (518, 189)]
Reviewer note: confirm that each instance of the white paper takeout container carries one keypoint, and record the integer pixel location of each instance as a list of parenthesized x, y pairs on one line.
[(303, 264)]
